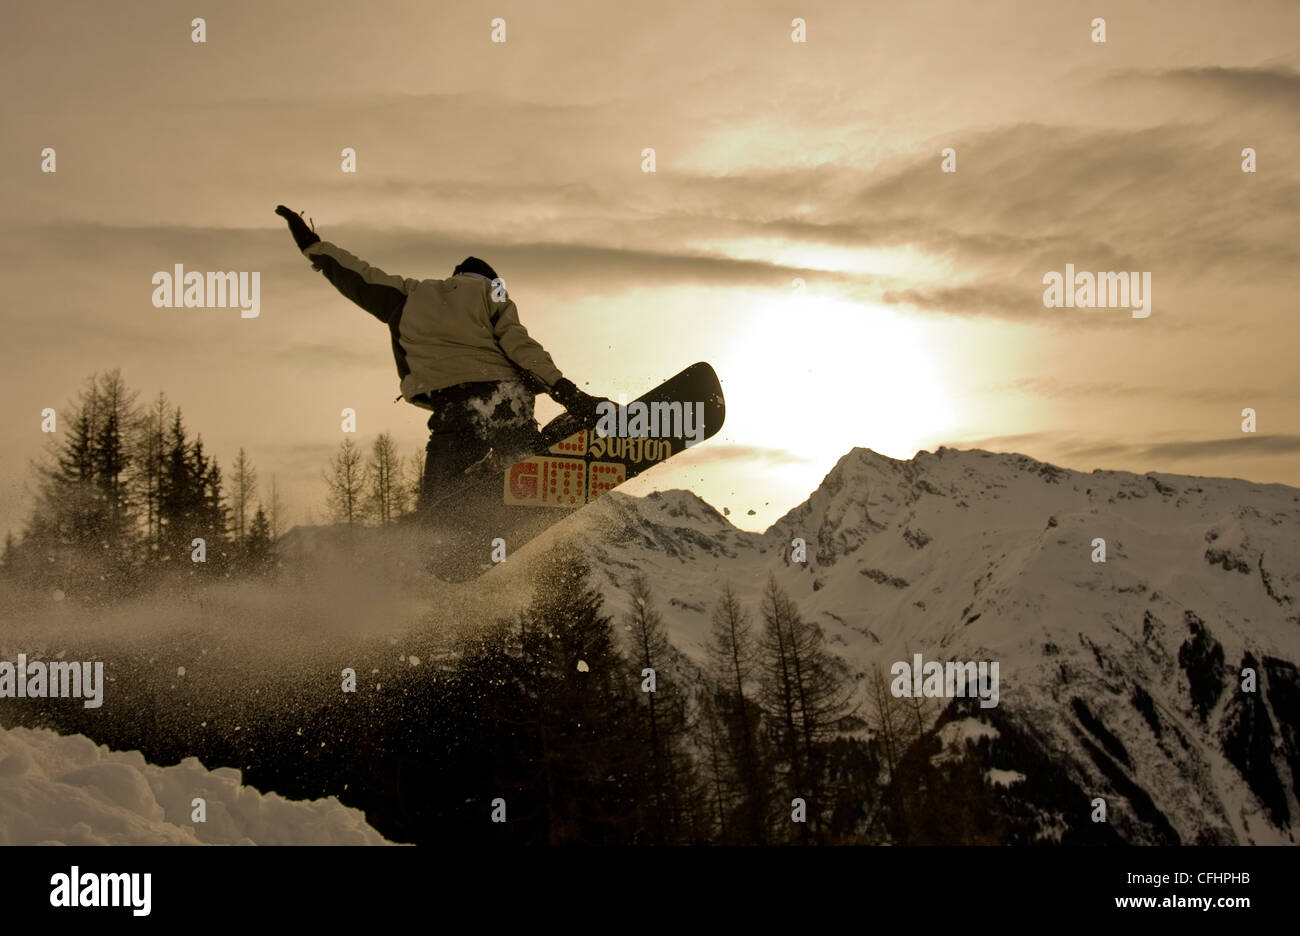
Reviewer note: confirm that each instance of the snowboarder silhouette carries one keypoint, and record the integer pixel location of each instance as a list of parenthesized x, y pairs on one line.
[(460, 352)]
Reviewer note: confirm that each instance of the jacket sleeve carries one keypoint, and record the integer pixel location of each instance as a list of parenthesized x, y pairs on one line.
[(379, 293), (521, 348)]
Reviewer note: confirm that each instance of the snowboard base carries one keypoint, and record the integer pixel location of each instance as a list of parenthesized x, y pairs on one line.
[(492, 513)]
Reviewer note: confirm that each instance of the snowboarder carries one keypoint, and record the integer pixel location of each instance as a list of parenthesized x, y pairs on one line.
[(460, 351)]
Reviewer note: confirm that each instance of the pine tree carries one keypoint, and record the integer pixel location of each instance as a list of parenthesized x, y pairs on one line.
[(665, 712), (276, 517), (81, 534), (175, 495), (346, 481), (556, 714), (892, 725), (732, 662), (798, 683), (716, 768), (386, 498), (112, 460), (258, 553), (214, 516), (243, 489), (190, 502), (151, 456), (413, 479), (778, 691)]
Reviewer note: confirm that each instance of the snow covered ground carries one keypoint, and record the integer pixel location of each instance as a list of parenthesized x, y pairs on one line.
[(66, 790)]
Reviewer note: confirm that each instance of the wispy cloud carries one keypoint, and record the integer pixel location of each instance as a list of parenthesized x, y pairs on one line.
[(750, 455), (1242, 446)]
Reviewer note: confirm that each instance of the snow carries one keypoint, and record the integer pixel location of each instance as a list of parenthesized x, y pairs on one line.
[(66, 790), (957, 555), (976, 555), (1003, 777), (957, 733), (954, 736)]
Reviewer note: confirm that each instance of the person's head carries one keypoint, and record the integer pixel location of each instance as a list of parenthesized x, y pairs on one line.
[(475, 265)]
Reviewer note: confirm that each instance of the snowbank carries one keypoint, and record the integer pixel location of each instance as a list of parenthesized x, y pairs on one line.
[(66, 790)]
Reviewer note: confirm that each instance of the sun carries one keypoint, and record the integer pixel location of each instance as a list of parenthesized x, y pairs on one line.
[(819, 375)]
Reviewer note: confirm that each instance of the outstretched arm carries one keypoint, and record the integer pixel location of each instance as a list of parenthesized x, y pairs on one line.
[(379, 293)]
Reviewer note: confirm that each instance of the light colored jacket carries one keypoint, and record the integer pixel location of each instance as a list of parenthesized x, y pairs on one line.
[(444, 332)]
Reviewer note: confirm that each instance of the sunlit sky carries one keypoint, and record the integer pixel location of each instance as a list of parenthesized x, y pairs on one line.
[(920, 319)]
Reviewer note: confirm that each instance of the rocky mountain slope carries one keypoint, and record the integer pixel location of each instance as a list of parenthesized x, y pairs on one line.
[(1127, 679)]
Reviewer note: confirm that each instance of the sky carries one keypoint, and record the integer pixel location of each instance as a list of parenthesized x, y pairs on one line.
[(798, 231)]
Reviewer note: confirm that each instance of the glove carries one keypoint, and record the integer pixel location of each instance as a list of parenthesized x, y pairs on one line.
[(303, 236), (574, 401)]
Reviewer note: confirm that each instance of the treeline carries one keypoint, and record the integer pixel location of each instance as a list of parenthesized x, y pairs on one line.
[(377, 488), (548, 721), (127, 495)]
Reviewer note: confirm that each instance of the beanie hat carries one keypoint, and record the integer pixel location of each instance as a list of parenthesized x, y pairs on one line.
[(475, 265)]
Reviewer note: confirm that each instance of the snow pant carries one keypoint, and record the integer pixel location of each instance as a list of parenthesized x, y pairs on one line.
[(468, 421)]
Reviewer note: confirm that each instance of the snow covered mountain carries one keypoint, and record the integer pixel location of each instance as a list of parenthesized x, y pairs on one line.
[(1125, 679)]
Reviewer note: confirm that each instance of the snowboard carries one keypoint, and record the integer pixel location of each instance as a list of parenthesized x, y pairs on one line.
[(575, 463)]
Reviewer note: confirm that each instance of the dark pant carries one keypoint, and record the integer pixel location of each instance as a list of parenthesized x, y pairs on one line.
[(468, 421)]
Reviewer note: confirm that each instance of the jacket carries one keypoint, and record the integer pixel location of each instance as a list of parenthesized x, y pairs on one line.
[(444, 332)]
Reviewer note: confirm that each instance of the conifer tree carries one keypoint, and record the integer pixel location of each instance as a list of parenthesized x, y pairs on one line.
[(413, 479), (346, 481), (276, 516), (243, 489), (386, 497), (799, 685), (81, 535), (554, 714), (732, 663), (151, 456), (258, 551), (665, 714)]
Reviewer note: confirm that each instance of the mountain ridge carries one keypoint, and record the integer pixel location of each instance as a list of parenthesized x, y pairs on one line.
[(1123, 676)]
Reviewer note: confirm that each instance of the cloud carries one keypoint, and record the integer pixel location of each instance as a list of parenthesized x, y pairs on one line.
[(323, 355), (1003, 442), (988, 298), (1054, 388), (1263, 86), (751, 455), (1242, 446)]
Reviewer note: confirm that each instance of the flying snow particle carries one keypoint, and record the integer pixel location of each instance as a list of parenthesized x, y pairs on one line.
[(415, 660), (58, 594), (583, 667), (180, 671)]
